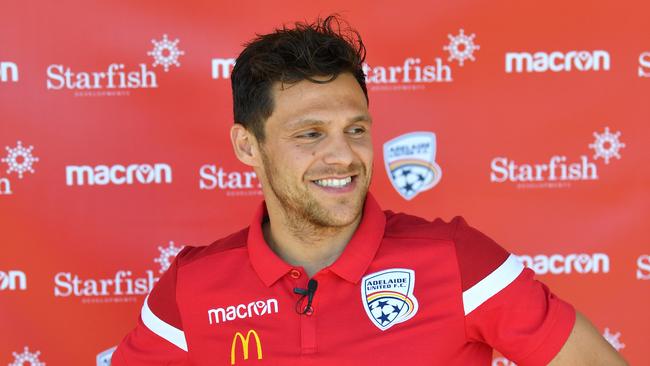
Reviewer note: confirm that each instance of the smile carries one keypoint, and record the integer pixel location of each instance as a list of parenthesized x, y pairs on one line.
[(334, 183)]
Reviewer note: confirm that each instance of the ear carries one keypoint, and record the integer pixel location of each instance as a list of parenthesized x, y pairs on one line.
[(244, 144)]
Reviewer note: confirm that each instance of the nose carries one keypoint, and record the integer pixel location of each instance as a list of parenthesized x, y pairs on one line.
[(338, 150)]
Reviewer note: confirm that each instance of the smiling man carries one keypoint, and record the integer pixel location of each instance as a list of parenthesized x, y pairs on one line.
[(322, 275)]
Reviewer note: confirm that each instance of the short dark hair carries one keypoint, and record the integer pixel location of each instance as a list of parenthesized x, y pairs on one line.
[(327, 47)]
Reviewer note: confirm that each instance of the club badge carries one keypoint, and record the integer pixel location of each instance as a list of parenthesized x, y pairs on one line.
[(388, 296), (410, 163)]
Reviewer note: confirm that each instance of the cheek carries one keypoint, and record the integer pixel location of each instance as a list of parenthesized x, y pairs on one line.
[(294, 162), (365, 152)]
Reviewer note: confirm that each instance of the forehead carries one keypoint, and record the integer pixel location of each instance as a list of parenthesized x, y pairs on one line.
[(339, 99)]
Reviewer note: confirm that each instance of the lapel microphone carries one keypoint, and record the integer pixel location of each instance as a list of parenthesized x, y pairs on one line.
[(309, 292)]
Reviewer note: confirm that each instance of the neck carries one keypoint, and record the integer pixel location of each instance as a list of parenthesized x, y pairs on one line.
[(304, 244)]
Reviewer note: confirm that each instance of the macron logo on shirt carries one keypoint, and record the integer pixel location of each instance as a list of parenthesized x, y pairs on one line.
[(243, 311)]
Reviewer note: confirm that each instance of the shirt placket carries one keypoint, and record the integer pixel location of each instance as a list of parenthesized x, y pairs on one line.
[(307, 320), (308, 323)]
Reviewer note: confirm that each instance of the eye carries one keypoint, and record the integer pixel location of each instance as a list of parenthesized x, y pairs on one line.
[(356, 130), (309, 135)]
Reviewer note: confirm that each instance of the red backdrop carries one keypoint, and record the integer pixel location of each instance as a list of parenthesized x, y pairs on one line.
[(114, 148)]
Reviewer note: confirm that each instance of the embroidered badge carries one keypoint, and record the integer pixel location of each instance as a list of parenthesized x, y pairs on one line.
[(388, 296)]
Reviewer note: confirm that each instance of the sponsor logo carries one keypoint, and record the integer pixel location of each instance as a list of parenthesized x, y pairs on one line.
[(13, 280), (115, 76), (644, 65), (567, 264), (245, 343), (519, 62), (121, 287), (502, 361), (121, 284), (243, 311), (19, 160), (388, 297), (222, 67), (165, 53), (412, 71), (559, 171), (26, 357), (104, 357), (613, 339), (8, 71), (461, 47), (410, 163), (643, 267), (167, 255), (116, 79), (234, 183), (606, 145), (118, 174)]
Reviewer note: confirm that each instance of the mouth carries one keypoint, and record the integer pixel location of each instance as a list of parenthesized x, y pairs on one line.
[(336, 185)]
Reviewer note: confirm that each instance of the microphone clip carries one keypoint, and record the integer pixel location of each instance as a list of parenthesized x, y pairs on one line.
[(308, 293)]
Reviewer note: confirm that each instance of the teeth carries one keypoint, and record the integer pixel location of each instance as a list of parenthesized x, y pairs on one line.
[(334, 182)]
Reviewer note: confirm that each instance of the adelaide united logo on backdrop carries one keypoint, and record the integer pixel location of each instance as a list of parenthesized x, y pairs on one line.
[(388, 296), (410, 163)]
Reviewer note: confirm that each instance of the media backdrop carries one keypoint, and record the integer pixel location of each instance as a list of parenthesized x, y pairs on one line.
[(530, 119)]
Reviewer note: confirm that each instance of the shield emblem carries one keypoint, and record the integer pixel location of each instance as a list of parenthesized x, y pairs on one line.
[(104, 358), (388, 297), (410, 163)]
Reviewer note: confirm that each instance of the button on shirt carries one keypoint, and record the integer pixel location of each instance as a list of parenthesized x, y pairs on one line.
[(405, 291)]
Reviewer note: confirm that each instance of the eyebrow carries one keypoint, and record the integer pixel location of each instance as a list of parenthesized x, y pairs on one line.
[(303, 122)]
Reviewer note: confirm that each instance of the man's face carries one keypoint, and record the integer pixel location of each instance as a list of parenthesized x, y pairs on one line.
[(317, 152)]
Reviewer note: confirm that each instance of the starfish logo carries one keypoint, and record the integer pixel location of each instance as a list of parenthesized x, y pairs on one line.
[(167, 254), (606, 145), (613, 339), (461, 47), (165, 53), (21, 359), (19, 159)]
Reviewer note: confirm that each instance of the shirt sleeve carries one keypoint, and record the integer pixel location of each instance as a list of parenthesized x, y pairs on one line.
[(504, 305), (158, 338)]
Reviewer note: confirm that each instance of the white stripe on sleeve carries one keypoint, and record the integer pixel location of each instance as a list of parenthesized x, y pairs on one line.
[(161, 328), (492, 284)]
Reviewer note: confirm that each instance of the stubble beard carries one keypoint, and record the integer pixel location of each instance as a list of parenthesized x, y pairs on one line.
[(304, 215)]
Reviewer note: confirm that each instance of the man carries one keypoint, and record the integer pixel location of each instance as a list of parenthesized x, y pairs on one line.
[(323, 276)]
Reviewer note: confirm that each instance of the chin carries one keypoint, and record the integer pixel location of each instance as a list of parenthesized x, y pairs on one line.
[(341, 215)]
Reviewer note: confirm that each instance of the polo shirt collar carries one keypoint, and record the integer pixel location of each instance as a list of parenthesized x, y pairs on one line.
[(351, 265)]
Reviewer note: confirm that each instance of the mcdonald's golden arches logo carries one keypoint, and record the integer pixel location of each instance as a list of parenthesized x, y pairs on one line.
[(245, 345)]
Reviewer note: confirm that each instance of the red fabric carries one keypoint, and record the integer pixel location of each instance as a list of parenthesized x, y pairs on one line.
[(478, 255), (524, 320), (162, 300), (142, 347)]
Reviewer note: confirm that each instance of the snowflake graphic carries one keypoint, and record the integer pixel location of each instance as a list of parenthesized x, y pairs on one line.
[(27, 357), (461, 47), (613, 339), (19, 159), (606, 145), (165, 53), (167, 255)]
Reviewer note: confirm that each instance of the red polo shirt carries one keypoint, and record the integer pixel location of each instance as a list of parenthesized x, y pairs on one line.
[(405, 291)]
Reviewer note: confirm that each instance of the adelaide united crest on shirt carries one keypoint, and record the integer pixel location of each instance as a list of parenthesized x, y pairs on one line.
[(388, 296)]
